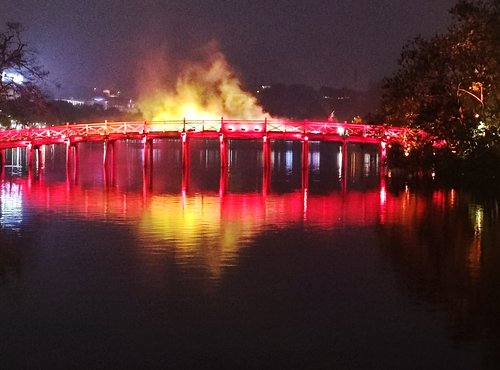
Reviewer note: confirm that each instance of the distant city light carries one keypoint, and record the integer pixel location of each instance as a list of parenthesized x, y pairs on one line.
[(74, 102), (15, 77)]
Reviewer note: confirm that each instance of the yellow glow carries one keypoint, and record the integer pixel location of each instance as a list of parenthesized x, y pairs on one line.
[(206, 90), (196, 229), (479, 220)]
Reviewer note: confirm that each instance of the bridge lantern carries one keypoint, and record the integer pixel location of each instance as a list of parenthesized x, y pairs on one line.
[(383, 152)]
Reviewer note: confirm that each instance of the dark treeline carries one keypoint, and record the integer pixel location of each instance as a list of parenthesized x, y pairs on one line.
[(57, 112), (305, 102)]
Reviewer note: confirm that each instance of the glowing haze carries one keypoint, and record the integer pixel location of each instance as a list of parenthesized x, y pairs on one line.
[(203, 90)]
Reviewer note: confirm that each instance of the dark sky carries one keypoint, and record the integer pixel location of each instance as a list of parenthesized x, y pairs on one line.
[(316, 42)]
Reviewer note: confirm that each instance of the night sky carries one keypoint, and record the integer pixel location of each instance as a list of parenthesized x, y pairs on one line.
[(85, 43)]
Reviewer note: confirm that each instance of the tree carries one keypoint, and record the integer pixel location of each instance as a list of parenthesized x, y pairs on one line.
[(21, 74), (449, 85)]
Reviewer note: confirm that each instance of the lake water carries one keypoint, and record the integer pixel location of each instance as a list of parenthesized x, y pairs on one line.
[(163, 266)]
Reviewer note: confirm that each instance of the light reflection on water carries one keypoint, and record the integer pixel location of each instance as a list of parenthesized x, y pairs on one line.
[(117, 266)]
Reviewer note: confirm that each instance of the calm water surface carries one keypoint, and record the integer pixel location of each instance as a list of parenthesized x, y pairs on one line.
[(161, 267)]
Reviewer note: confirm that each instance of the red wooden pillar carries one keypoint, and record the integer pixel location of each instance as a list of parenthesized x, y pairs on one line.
[(107, 161), (224, 151), (31, 162), (108, 152), (147, 159), (71, 160), (345, 163), (39, 157), (185, 162), (105, 153), (39, 162), (305, 164), (68, 163), (147, 164), (68, 156), (75, 162), (31, 154), (266, 165), (224, 166), (383, 155)]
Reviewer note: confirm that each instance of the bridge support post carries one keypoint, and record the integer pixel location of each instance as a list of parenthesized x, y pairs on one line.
[(147, 159), (68, 155), (305, 164), (34, 159), (383, 156), (108, 156), (224, 165), (71, 160), (109, 149), (39, 161), (345, 163), (68, 162), (31, 155), (266, 165), (147, 164), (75, 162), (224, 151), (185, 162)]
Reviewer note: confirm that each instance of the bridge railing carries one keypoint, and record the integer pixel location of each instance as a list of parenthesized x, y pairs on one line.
[(183, 126), (228, 126), (68, 132), (202, 126)]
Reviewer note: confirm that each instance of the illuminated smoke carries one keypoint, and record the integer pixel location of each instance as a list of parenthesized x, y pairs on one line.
[(204, 90)]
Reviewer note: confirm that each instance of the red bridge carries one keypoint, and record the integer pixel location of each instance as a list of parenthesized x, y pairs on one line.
[(229, 129), (108, 132)]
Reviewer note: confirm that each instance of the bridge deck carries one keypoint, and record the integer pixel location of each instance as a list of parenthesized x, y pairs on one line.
[(228, 129)]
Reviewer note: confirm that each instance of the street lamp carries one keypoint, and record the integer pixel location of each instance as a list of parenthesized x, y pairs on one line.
[(476, 93)]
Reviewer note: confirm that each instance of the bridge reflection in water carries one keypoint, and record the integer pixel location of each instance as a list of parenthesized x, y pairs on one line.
[(185, 232), (202, 222)]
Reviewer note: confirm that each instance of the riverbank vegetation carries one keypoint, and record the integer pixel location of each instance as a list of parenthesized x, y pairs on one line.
[(449, 87)]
